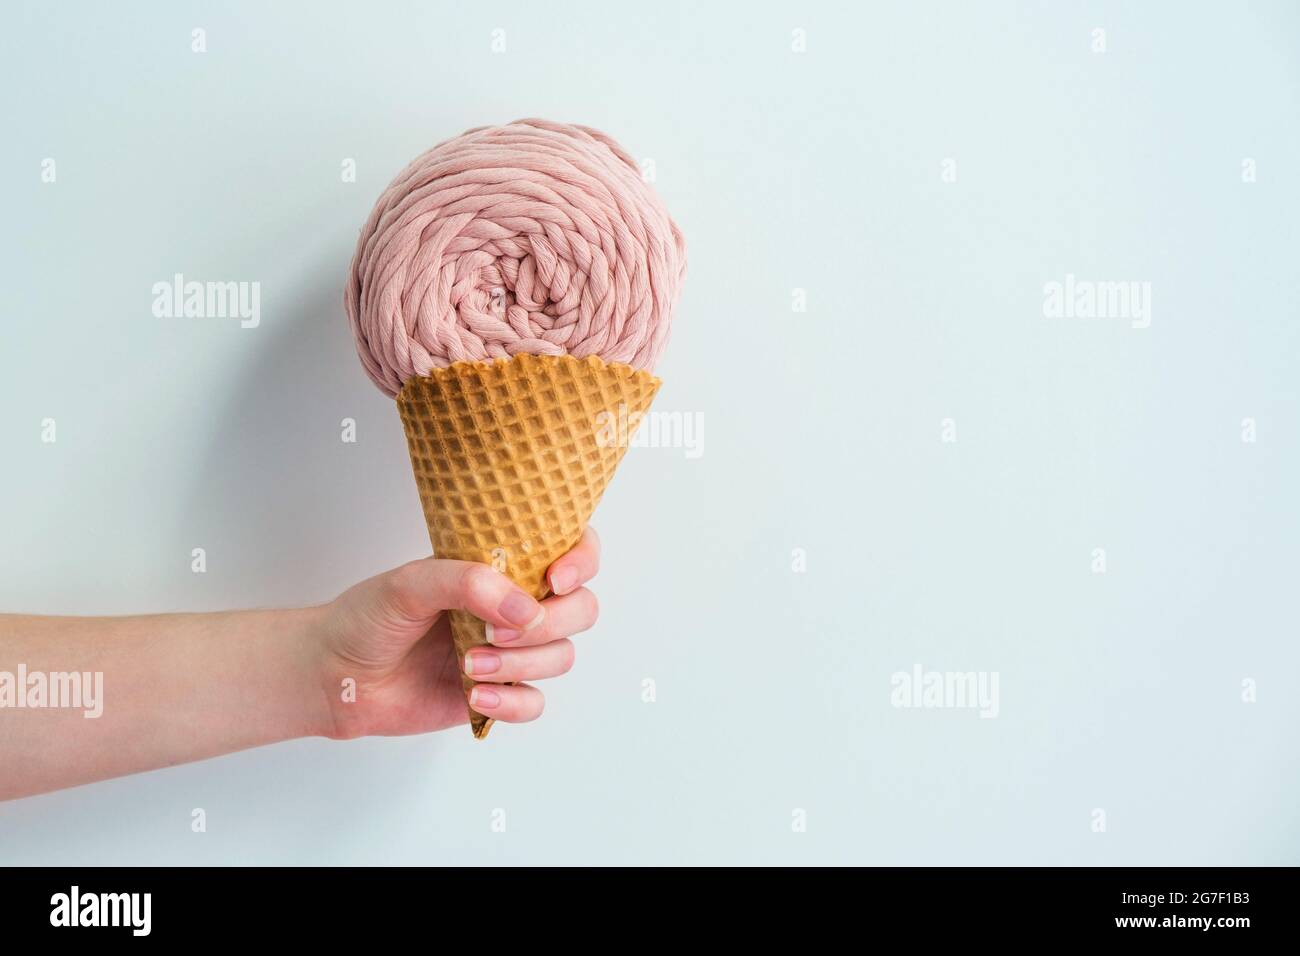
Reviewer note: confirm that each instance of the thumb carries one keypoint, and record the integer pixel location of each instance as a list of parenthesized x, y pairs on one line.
[(420, 590)]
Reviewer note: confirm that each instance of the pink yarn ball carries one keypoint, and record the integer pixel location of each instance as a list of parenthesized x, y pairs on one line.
[(535, 237)]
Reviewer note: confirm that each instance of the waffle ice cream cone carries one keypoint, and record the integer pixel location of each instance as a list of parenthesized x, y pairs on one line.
[(511, 458)]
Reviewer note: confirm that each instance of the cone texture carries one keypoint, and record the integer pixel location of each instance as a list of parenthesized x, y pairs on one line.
[(511, 458)]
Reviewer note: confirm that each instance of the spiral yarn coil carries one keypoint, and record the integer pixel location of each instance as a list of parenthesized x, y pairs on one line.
[(534, 237)]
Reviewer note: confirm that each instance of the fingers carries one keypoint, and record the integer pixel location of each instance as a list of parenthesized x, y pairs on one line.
[(565, 616), (521, 663), (541, 650), (544, 651), (514, 705), (578, 566), (421, 589)]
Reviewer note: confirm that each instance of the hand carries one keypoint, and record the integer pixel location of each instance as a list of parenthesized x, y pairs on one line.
[(391, 635)]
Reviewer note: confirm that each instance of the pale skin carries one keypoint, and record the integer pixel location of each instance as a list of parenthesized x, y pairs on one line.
[(184, 687)]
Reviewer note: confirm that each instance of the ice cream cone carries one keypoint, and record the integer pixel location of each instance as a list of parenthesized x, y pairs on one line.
[(511, 458)]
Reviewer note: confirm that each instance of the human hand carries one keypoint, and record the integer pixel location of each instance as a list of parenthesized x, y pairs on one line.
[(390, 634)]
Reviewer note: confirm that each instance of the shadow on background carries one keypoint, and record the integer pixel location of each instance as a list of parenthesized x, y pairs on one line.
[(291, 512)]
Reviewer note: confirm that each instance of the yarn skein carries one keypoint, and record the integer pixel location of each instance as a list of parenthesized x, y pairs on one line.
[(534, 237)]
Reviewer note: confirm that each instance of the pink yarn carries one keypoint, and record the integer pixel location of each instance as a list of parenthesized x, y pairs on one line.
[(534, 237)]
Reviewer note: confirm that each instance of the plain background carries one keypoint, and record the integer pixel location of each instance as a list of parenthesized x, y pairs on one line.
[(818, 171)]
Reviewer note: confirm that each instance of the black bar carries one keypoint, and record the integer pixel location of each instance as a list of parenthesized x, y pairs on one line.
[(1167, 906)]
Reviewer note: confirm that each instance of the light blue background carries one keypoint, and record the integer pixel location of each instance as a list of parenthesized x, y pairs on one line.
[(817, 171)]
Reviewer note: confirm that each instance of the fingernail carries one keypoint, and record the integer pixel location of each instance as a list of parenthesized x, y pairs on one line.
[(482, 663), (521, 610), (481, 697), (563, 580), (501, 635)]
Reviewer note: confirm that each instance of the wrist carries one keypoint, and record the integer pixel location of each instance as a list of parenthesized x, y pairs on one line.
[(309, 680)]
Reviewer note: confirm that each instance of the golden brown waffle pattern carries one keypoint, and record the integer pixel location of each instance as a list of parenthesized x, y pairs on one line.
[(511, 458)]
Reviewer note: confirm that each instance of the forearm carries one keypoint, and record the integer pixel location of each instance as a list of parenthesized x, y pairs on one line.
[(175, 688)]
